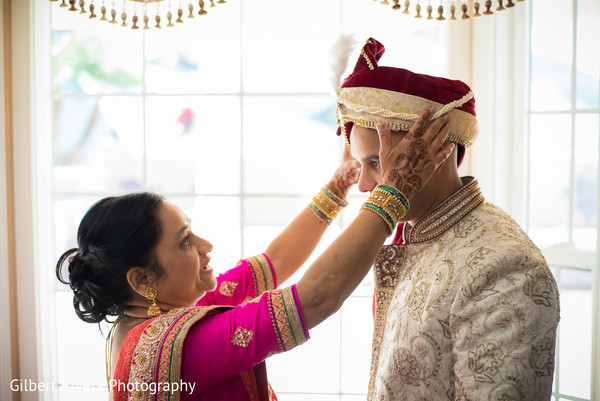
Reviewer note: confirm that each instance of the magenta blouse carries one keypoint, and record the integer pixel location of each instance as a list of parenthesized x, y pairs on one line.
[(262, 322)]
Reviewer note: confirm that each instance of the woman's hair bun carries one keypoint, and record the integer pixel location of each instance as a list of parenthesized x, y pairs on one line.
[(116, 234), (87, 278)]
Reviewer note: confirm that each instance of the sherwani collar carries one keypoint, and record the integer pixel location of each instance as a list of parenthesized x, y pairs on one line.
[(446, 214)]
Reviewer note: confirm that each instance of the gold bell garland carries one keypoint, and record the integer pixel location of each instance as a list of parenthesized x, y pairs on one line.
[(468, 8), (129, 17)]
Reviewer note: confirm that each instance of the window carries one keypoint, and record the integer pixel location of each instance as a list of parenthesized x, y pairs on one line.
[(233, 119), (564, 127)]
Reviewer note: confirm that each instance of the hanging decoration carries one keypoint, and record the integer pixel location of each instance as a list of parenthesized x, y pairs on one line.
[(450, 9), (138, 14)]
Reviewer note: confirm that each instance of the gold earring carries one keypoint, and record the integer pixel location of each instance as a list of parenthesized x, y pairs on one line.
[(151, 294)]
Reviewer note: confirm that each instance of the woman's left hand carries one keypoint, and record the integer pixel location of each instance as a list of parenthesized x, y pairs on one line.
[(345, 176)]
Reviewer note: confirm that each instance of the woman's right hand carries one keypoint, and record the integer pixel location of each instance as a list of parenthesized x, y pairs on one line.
[(409, 165)]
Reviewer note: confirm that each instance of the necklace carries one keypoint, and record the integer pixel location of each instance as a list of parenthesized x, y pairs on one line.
[(108, 350)]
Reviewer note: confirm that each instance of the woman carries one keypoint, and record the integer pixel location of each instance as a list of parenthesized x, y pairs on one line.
[(183, 334)]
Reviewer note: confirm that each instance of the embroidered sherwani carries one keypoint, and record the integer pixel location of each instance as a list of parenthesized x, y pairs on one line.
[(465, 309)]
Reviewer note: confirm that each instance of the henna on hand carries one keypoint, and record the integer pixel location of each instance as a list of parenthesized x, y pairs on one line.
[(410, 164), (345, 176), (405, 176)]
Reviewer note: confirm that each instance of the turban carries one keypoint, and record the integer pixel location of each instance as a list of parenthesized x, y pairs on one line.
[(395, 96)]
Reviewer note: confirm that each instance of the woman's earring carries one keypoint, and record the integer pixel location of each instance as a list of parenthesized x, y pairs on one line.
[(151, 295)]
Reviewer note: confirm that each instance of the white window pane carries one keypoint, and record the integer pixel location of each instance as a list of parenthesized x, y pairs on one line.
[(273, 211), (68, 212), (216, 219), (401, 35), (265, 218), (307, 397), (551, 54), (308, 376), (78, 343), (550, 144), (193, 144), (575, 333), (97, 147), (290, 145), (202, 55), (588, 62), (357, 330), (586, 180), (80, 392), (279, 59), (92, 61)]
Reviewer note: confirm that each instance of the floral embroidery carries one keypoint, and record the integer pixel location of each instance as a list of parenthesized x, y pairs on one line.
[(415, 301), (542, 357), (480, 280), (485, 360), (538, 286), (227, 288), (507, 392), (406, 365), (242, 337)]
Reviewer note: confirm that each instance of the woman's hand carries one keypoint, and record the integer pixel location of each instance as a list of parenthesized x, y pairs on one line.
[(409, 165), (345, 176)]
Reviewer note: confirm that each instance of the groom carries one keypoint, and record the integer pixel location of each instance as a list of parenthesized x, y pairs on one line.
[(466, 307)]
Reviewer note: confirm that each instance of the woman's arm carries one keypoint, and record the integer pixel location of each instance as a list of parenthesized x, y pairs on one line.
[(298, 240), (340, 269)]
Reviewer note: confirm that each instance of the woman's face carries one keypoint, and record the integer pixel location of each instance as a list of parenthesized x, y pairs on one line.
[(183, 258), (364, 145)]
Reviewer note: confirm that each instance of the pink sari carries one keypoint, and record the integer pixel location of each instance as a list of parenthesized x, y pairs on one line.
[(214, 352)]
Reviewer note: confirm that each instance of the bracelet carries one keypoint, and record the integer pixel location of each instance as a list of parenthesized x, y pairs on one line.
[(388, 203), (327, 205)]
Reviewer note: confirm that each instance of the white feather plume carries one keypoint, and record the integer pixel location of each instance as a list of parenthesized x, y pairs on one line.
[(340, 53)]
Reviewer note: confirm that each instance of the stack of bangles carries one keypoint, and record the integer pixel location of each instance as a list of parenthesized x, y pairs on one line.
[(389, 203), (327, 205)]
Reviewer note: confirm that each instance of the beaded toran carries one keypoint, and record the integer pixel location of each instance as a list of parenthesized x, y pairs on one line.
[(129, 11), (452, 8)]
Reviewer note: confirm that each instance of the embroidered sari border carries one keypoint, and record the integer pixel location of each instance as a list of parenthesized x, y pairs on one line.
[(158, 353), (302, 319), (263, 275), (123, 367), (170, 367), (285, 315)]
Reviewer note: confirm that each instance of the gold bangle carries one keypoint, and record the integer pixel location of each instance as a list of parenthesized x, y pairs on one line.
[(388, 203), (326, 205)]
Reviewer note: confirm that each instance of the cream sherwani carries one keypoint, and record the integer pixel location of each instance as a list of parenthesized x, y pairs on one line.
[(467, 309)]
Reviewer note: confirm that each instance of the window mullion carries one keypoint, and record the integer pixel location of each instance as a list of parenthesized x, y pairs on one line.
[(573, 110), (595, 390)]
